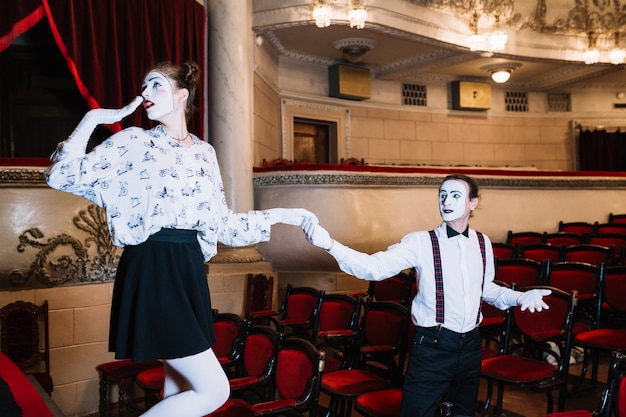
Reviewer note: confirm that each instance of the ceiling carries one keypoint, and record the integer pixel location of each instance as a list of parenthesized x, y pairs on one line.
[(410, 43)]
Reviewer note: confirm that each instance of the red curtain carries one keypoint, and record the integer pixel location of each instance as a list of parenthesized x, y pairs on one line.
[(109, 45), (16, 17), (599, 150)]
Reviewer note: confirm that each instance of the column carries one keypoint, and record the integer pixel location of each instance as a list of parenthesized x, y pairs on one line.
[(230, 97), (230, 107)]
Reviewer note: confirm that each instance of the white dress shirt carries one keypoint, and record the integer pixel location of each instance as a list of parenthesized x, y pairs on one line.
[(462, 266), (147, 181)]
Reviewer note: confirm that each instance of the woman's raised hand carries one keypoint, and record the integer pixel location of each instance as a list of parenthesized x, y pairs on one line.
[(108, 116)]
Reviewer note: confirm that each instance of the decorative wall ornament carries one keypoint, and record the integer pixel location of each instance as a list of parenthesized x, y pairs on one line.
[(65, 259), (21, 176), (598, 16), (599, 22), (290, 178)]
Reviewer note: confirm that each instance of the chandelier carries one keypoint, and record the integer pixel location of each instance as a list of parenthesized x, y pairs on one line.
[(487, 42), (357, 15), (593, 54), (323, 11), (617, 55)]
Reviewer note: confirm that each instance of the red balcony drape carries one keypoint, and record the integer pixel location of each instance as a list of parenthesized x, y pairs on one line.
[(109, 45), (599, 150)]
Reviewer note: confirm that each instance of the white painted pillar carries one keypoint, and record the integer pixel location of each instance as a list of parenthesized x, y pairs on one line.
[(230, 97)]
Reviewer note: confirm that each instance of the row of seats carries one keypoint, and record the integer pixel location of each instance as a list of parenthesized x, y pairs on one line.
[(611, 234), (350, 379), (378, 341), (346, 329), (583, 252), (597, 293)]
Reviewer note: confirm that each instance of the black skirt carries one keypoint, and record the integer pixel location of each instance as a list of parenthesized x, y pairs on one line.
[(161, 306)]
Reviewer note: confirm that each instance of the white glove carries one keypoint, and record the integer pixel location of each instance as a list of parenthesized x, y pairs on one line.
[(96, 117), (532, 300), (317, 235), (292, 216)]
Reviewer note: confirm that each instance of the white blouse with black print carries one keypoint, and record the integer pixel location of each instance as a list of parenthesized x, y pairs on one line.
[(147, 181)]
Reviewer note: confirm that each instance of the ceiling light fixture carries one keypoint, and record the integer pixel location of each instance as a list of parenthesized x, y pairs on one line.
[(592, 54), (322, 12), (498, 39), (489, 43), (617, 54), (476, 41), (500, 73), (357, 15), (353, 49)]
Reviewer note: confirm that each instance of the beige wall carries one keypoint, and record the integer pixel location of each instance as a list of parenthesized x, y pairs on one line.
[(399, 136), (383, 131), (369, 218)]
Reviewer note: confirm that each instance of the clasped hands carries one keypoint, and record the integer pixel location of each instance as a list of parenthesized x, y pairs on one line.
[(315, 234)]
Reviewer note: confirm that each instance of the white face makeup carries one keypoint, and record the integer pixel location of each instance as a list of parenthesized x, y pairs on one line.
[(158, 95), (452, 200)]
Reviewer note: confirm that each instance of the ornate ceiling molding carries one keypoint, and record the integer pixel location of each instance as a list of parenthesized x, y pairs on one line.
[(296, 55)]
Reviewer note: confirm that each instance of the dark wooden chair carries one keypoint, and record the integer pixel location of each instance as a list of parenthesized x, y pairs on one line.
[(583, 278), (519, 368), (617, 218), (276, 162), (542, 252), (617, 241), (579, 227), (396, 289), (352, 161), (24, 338), (588, 253), (298, 312), (565, 238), (525, 238), (297, 377), (259, 295), (519, 271), (613, 397), (228, 347), (503, 250), (383, 335), (122, 373), (337, 329), (613, 228), (604, 336), (258, 362)]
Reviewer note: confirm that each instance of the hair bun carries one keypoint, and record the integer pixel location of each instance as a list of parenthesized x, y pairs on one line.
[(190, 73)]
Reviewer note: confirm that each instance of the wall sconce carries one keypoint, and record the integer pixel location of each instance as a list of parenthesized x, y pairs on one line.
[(357, 15), (592, 54), (322, 12), (500, 73)]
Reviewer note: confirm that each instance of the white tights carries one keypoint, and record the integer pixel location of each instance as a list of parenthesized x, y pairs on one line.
[(195, 385)]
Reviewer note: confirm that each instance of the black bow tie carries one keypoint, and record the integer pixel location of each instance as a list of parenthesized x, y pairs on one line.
[(452, 232)]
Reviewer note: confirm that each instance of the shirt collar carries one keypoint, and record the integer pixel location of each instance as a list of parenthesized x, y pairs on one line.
[(453, 233)]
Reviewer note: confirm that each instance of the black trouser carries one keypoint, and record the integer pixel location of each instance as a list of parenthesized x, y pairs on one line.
[(443, 366)]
